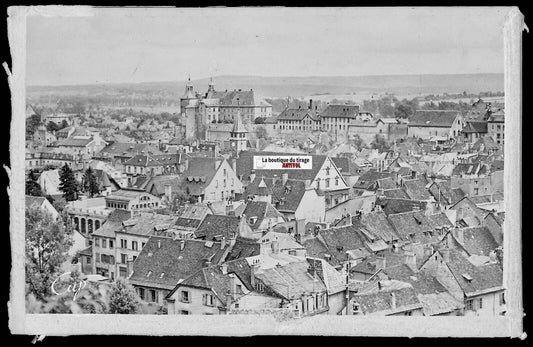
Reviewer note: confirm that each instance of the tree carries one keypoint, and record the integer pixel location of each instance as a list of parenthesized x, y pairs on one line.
[(259, 120), (90, 184), (32, 123), (123, 298), (33, 188), (380, 144), (358, 142), (68, 184), (64, 124), (52, 126), (261, 133), (47, 244)]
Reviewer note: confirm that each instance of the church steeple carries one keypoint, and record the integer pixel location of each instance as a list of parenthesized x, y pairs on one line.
[(189, 90), (238, 136)]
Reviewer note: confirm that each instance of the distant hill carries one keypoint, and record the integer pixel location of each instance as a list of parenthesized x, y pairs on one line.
[(301, 86)]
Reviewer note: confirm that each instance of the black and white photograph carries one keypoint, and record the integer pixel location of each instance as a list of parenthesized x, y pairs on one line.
[(291, 165)]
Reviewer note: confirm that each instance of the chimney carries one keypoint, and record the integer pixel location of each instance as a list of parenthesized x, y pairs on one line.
[(223, 242), (182, 244), (252, 176), (158, 244), (308, 185), (310, 104), (413, 174), (233, 289), (410, 260), (284, 178), (393, 300), (379, 285), (254, 268), (224, 269), (228, 300), (275, 247), (381, 262)]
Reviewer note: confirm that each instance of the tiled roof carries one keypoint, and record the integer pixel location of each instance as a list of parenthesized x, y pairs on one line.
[(298, 114), (478, 241), (260, 210), (187, 222), (397, 193), (344, 111), (483, 277), (199, 173), (386, 183), (433, 118), (126, 194), (416, 223), (342, 239), (164, 266), (214, 279), (369, 178), (217, 225), (416, 189), (346, 166), (285, 198), (127, 150), (475, 127), (243, 248), (469, 169), (291, 281), (379, 302), (378, 224), (144, 223), (447, 195), (143, 160), (72, 142), (392, 206)]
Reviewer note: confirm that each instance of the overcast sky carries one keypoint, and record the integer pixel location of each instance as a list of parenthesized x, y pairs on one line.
[(164, 44)]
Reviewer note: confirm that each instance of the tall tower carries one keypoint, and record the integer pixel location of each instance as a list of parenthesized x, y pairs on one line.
[(238, 135), (210, 88), (188, 112)]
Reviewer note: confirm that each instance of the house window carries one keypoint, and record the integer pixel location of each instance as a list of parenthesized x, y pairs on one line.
[(469, 305), (111, 260), (502, 299), (96, 242), (184, 312), (185, 297), (153, 295), (123, 258), (327, 182), (141, 293), (239, 289), (134, 245), (209, 300), (124, 273), (336, 181), (123, 243), (104, 243), (142, 245), (110, 244), (480, 303)]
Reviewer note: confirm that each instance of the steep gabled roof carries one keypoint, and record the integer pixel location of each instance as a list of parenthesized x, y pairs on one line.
[(433, 118), (218, 225), (162, 262)]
